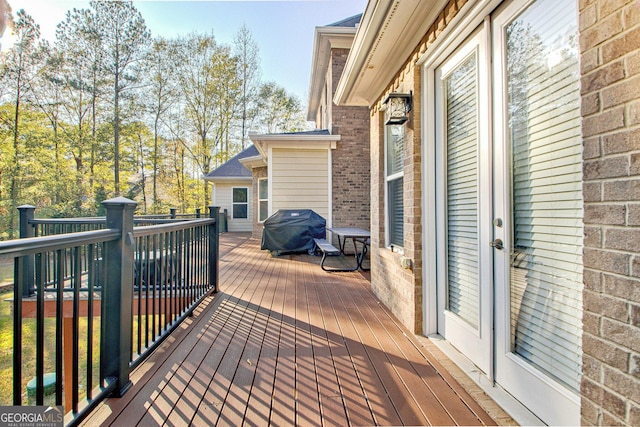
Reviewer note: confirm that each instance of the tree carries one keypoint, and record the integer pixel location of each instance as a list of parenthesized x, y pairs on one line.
[(210, 87), (123, 36), (162, 93), (279, 111), (17, 70), (246, 51), (82, 82)]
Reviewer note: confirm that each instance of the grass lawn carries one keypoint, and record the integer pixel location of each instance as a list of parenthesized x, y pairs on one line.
[(29, 351)]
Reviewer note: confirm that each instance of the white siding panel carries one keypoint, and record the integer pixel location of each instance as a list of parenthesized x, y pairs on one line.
[(224, 198), (300, 180)]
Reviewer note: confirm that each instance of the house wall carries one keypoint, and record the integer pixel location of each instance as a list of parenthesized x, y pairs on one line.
[(257, 225), (610, 65), (300, 180), (223, 197), (399, 288), (350, 160)]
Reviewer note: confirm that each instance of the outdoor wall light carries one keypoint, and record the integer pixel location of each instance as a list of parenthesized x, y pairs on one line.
[(398, 108)]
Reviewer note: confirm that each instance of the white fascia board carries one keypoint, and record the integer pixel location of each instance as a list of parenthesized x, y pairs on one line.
[(253, 162), (389, 32), (326, 38), (301, 141), (228, 179)]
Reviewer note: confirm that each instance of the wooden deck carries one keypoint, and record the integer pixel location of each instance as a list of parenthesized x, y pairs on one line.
[(285, 343)]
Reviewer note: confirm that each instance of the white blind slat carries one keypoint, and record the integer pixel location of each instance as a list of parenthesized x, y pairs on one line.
[(544, 121), (462, 192)]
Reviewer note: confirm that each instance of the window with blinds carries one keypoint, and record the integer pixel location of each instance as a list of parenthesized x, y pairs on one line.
[(544, 126), (459, 88), (394, 173)]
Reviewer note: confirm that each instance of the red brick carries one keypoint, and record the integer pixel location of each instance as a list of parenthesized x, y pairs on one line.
[(590, 104), (607, 261), (621, 333), (631, 15), (589, 412), (634, 167), (632, 63), (620, 93), (606, 121), (624, 239), (606, 306), (622, 190), (604, 30), (623, 287), (587, 18), (604, 214), (610, 6), (621, 46), (634, 113), (621, 142), (593, 237), (634, 214), (592, 191), (604, 351), (612, 167), (592, 280), (634, 416), (602, 77), (589, 60)]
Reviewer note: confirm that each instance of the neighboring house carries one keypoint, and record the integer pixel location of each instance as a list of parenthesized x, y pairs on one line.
[(232, 189), (511, 192), (326, 170)]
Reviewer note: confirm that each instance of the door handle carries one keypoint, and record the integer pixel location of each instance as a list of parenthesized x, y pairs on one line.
[(497, 244)]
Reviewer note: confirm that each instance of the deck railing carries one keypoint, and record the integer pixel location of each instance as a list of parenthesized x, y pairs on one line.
[(88, 306)]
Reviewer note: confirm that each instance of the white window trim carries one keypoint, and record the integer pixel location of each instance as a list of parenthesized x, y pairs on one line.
[(240, 203), (263, 200), (387, 179)]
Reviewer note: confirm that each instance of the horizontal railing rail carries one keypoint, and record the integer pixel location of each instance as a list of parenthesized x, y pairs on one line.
[(89, 306)]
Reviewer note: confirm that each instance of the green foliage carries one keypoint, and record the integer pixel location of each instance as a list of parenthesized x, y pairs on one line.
[(106, 110)]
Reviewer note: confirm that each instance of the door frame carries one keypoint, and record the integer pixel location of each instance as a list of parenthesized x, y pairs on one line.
[(470, 17), (477, 344)]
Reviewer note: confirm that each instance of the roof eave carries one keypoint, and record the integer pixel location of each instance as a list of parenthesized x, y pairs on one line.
[(215, 179), (253, 162), (326, 38), (388, 33)]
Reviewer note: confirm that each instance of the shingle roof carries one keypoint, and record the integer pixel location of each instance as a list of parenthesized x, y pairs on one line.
[(348, 22), (306, 132), (233, 167)]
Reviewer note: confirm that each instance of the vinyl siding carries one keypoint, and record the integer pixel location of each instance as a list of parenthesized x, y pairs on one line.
[(222, 196), (300, 180)]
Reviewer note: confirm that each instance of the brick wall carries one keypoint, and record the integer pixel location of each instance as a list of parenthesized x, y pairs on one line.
[(610, 66), (398, 288), (350, 159)]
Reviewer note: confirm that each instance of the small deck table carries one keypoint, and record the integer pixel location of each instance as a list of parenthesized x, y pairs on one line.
[(357, 235)]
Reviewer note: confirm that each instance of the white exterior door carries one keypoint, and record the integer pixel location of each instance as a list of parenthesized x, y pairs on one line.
[(464, 276), (538, 189), (506, 185)]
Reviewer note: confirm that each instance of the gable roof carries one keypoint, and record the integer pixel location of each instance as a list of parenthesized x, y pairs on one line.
[(233, 168)]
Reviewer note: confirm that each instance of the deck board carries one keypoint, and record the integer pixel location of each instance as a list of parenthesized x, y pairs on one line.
[(286, 343)]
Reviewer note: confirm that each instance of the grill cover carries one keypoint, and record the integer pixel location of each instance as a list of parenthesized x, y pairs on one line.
[(293, 230)]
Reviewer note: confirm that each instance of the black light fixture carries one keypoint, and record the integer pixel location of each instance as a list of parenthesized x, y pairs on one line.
[(398, 108)]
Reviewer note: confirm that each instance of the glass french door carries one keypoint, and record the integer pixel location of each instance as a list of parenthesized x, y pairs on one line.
[(464, 278), (538, 196), (508, 203)]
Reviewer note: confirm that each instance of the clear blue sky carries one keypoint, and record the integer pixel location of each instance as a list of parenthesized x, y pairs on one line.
[(283, 29)]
